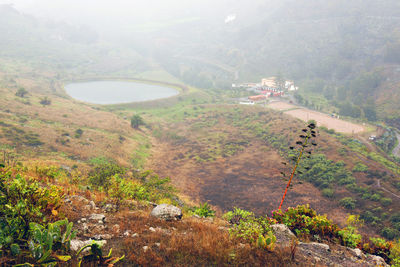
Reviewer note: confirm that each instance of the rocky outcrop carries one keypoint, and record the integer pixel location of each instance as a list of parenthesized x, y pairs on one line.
[(167, 212), (320, 254), (284, 237)]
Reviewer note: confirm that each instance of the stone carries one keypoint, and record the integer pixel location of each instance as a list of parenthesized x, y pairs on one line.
[(377, 261), (284, 237), (85, 228), (313, 246), (356, 252), (157, 244), (98, 217), (92, 205), (77, 244), (167, 212), (152, 229), (116, 228), (145, 248)]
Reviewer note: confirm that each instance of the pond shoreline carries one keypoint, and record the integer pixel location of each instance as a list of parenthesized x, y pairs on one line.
[(123, 87)]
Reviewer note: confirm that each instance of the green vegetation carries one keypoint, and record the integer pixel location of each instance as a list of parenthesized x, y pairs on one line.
[(348, 203), (251, 229), (22, 92), (136, 121), (203, 211), (45, 101)]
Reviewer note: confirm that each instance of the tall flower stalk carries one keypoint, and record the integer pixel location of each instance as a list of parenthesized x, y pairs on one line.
[(307, 139)]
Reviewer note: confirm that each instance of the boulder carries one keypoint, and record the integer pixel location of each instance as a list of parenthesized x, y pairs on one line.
[(284, 237), (167, 212), (377, 261)]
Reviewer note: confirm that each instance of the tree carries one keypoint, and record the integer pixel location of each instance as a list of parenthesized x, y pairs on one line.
[(136, 121), (21, 92), (45, 101)]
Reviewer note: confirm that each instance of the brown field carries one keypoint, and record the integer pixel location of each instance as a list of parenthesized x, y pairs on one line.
[(321, 118)]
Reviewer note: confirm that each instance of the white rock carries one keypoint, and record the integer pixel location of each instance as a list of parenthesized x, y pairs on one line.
[(77, 244), (167, 212)]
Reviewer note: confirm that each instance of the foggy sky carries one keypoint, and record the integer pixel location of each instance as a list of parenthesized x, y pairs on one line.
[(103, 13)]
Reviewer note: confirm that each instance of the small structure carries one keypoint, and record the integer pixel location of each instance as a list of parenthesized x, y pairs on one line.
[(269, 82)]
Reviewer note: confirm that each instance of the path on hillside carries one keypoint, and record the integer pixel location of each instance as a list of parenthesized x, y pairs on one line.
[(396, 150), (378, 183)]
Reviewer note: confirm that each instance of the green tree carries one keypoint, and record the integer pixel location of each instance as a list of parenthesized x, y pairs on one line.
[(21, 92), (136, 121)]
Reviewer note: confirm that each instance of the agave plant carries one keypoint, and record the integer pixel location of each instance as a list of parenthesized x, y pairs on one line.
[(303, 146), (96, 256)]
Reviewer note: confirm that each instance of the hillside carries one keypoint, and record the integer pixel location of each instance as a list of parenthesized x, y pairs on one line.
[(223, 166)]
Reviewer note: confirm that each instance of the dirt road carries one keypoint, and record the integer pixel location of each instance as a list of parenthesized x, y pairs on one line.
[(322, 119)]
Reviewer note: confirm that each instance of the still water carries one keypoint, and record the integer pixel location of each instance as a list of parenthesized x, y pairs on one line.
[(116, 92)]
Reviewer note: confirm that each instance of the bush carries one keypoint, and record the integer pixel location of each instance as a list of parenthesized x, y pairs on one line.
[(45, 101), (203, 211), (102, 174), (390, 233), (386, 201), (359, 167), (304, 221), (78, 133), (395, 254), (251, 229), (147, 186), (23, 203), (376, 197), (348, 203), (377, 246), (349, 235), (21, 92), (328, 192)]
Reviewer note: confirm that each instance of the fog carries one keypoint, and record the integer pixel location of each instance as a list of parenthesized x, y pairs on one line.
[(122, 14)]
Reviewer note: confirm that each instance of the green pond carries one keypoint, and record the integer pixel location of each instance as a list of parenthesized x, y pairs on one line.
[(117, 92)]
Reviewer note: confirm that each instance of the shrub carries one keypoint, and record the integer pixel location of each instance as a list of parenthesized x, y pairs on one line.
[(348, 203), (395, 218), (376, 197), (102, 174), (395, 254), (349, 235), (377, 246), (251, 229), (386, 201), (359, 167), (147, 186), (45, 101), (328, 192), (203, 211), (390, 233), (304, 221), (21, 92), (78, 133)]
